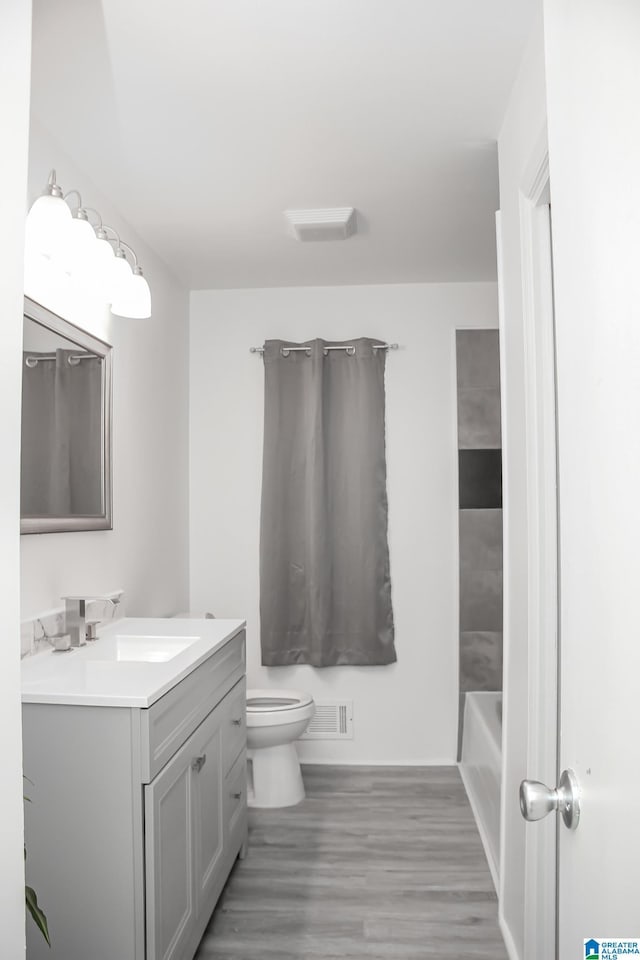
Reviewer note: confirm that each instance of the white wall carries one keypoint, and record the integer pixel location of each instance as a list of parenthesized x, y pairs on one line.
[(146, 553), (407, 712), (522, 131), (15, 55)]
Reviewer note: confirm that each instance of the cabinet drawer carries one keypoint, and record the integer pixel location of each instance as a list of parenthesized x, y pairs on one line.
[(234, 734), (172, 719), (235, 815)]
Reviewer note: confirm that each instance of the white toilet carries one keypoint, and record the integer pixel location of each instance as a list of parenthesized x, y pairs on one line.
[(275, 719)]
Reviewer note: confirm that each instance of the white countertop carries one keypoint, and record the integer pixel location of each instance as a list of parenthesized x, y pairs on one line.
[(106, 672)]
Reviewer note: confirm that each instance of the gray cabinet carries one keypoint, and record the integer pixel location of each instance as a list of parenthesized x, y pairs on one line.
[(137, 816)]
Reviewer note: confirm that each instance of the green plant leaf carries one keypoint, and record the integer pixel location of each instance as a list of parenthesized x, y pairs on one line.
[(38, 916)]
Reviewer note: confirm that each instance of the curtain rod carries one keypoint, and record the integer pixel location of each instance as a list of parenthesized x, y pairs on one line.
[(73, 360), (350, 349)]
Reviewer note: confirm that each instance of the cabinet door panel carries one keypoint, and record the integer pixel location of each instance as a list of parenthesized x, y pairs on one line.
[(208, 809), (194, 816), (169, 867)]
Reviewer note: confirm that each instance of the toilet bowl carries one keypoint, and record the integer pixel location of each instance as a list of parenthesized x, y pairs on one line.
[(275, 720)]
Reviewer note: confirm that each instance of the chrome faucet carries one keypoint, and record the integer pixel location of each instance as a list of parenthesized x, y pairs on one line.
[(75, 618)]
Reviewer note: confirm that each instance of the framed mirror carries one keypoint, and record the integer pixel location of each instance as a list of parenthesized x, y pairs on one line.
[(66, 426)]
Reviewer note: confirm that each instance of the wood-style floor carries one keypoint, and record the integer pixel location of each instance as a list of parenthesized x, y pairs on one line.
[(377, 862)]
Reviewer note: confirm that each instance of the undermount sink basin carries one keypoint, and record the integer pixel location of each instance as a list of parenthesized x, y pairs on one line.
[(144, 640), (149, 649)]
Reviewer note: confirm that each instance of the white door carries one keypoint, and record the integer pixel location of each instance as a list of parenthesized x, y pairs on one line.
[(555, 908), (598, 323), (542, 548), (593, 93)]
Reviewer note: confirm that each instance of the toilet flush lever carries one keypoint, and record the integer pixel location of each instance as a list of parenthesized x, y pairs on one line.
[(199, 763)]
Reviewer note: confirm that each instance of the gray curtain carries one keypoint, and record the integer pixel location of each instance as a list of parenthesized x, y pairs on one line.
[(325, 587), (61, 436)]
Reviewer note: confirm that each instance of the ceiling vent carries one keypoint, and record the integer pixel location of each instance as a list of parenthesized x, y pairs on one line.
[(328, 223)]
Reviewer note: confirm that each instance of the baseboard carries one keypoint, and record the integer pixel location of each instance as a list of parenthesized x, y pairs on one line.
[(328, 762), (508, 939)]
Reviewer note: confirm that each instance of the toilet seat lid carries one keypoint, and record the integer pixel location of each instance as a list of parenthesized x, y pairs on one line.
[(269, 701)]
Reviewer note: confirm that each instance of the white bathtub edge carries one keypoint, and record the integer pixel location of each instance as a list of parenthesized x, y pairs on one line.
[(493, 866)]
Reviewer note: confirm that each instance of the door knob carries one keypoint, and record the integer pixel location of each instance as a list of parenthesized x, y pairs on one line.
[(537, 799)]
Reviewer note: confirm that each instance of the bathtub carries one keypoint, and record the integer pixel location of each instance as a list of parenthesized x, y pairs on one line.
[(481, 768)]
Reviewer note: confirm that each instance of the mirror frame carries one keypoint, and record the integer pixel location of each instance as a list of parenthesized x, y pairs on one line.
[(86, 341)]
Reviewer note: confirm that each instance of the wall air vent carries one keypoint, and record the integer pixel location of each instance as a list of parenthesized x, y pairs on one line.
[(327, 223), (333, 720)]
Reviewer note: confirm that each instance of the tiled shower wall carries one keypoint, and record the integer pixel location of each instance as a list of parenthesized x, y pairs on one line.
[(480, 481)]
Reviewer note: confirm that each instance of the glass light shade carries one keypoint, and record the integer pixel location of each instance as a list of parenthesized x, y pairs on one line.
[(80, 247), (44, 280), (134, 299), (100, 271), (47, 224), (121, 274)]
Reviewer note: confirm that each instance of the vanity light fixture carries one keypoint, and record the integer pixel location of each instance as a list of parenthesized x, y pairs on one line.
[(63, 233), (103, 264), (48, 220), (81, 239), (133, 299), (131, 295), (121, 274)]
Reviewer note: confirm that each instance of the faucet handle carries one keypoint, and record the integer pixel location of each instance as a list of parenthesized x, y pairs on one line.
[(92, 626), (61, 642)]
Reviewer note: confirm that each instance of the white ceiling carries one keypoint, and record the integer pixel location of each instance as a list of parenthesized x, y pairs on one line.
[(206, 119)]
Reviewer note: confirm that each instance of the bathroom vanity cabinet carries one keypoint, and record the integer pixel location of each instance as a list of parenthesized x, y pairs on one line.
[(137, 814)]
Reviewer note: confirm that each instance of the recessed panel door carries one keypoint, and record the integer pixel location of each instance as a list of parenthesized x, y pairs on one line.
[(169, 859), (208, 777)]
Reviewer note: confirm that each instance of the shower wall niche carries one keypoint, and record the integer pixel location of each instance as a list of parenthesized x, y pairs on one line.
[(480, 515)]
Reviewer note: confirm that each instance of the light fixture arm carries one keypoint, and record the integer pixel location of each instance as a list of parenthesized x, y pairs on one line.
[(104, 227), (133, 253), (93, 210), (122, 245), (77, 193)]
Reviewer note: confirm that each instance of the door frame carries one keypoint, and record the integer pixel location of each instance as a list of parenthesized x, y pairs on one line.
[(540, 913)]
